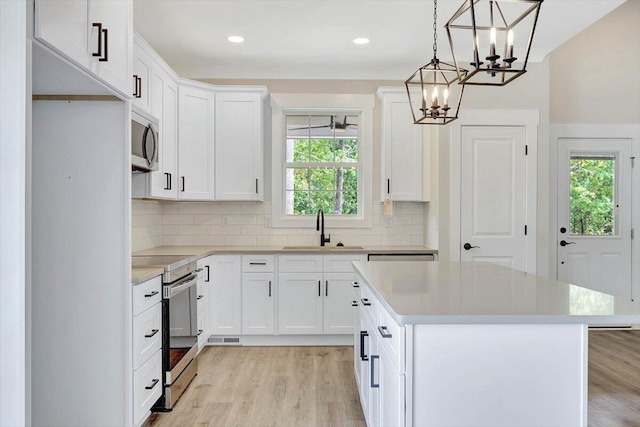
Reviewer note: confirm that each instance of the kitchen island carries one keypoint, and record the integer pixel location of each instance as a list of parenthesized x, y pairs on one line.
[(475, 344)]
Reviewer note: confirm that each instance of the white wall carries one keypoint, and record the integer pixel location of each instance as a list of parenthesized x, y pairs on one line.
[(13, 94), (595, 76)]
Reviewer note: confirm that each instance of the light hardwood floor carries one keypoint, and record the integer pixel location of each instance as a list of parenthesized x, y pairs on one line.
[(314, 386)]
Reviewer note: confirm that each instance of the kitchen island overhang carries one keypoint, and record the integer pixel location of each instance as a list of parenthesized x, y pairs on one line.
[(483, 344)]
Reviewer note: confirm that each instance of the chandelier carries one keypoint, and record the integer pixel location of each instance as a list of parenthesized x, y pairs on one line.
[(433, 94), (492, 28)]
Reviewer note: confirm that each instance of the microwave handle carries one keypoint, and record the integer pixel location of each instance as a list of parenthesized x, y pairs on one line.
[(148, 130)]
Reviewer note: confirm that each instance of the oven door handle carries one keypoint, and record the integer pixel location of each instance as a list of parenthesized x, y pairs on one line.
[(173, 290)]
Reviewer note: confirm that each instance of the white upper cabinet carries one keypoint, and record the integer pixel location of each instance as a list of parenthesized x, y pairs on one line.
[(404, 151), (196, 143), (158, 87), (95, 34), (142, 72), (239, 129)]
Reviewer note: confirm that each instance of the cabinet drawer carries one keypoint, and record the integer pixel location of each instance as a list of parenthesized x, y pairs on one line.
[(258, 263), (147, 386), (369, 304), (341, 263), (300, 263), (147, 335), (147, 294), (392, 337)]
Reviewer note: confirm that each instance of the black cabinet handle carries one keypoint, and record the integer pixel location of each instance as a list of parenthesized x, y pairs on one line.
[(152, 385), (256, 185), (139, 87), (199, 297), (373, 384), (355, 284), (99, 52), (354, 303), (384, 332), (326, 288), (151, 294), (564, 243), (363, 356), (468, 246), (200, 331), (365, 301), (135, 85), (106, 46), (208, 271), (388, 186), (269, 288), (257, 263), (182, 178), (319, 294), (153, 332), (168, 181)]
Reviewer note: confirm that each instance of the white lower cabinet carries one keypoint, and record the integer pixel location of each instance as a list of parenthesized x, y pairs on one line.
[(147, 387), (381, 353), (258, 303), (147, 347), (226, 295), (315, 294), (300, 303), (204, 301)]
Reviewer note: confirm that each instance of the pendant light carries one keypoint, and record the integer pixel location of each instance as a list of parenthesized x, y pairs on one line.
[(433, 94), (493, 28)]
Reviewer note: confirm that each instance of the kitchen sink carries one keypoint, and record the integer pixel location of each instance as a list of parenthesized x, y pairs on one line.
[(321, 248)]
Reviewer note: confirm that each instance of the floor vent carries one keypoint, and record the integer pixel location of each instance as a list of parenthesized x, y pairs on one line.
[(224, 341)]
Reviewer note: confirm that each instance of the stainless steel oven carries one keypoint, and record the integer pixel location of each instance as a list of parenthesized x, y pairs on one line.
[(179, 324)]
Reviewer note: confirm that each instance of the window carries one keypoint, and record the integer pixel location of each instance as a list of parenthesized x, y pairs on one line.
[(322, 164), (321, 159), (592, 189)]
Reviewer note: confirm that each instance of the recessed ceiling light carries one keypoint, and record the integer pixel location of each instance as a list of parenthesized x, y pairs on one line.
[(235, 39), (361, 40)]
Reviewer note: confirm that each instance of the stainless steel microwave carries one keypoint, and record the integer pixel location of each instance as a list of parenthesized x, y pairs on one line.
[(144, 142)]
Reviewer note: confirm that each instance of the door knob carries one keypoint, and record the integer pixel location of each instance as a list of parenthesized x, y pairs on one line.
[(565, 243), (468, 246)]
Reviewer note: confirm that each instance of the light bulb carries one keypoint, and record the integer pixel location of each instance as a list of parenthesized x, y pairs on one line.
[(434, 97), (446, 97), (492, 35), (510, 38)]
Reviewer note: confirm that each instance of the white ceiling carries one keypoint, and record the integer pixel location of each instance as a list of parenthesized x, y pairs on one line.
[(312, 39)]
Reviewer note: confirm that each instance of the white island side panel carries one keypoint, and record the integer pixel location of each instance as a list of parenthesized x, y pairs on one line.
[(499, 375)]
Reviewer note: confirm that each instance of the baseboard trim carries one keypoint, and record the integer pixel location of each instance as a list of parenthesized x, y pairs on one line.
[(281, 340)]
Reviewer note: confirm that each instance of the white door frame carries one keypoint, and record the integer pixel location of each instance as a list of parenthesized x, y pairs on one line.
[(581, 131), (529, 119)]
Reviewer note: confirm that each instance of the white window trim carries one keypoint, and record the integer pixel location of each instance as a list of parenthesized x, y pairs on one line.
[(362, 105)]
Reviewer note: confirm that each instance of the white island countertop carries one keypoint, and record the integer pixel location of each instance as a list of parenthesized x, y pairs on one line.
[(484, 293)]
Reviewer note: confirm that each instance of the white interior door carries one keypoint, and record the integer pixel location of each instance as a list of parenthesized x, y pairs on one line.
[(594, 214), (493, 193)]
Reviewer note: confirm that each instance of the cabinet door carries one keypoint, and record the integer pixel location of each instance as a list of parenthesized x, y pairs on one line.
[(300, 298), (258, 303), (142, 81), (164, 106), (195, 144), (401, 150), (357, 335), (338, 294), (392, 411), (117, 18), (239, 141), (363, 364), (373, 384), (64, 25), (226, 295)]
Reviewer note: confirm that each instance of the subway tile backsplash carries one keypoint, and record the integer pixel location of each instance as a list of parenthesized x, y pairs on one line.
[(156, 223)]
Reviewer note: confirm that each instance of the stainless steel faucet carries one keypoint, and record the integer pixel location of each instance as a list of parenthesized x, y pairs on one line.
[(320, 227)]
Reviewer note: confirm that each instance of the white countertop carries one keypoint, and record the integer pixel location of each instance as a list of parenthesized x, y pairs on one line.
[(202, 251), (484, 293)]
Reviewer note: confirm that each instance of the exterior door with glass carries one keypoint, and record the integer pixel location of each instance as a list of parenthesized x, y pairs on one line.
[(594, 214)]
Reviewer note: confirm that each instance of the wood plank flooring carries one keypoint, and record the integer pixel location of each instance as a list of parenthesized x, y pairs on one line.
[(269, 386), (314, 386)]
